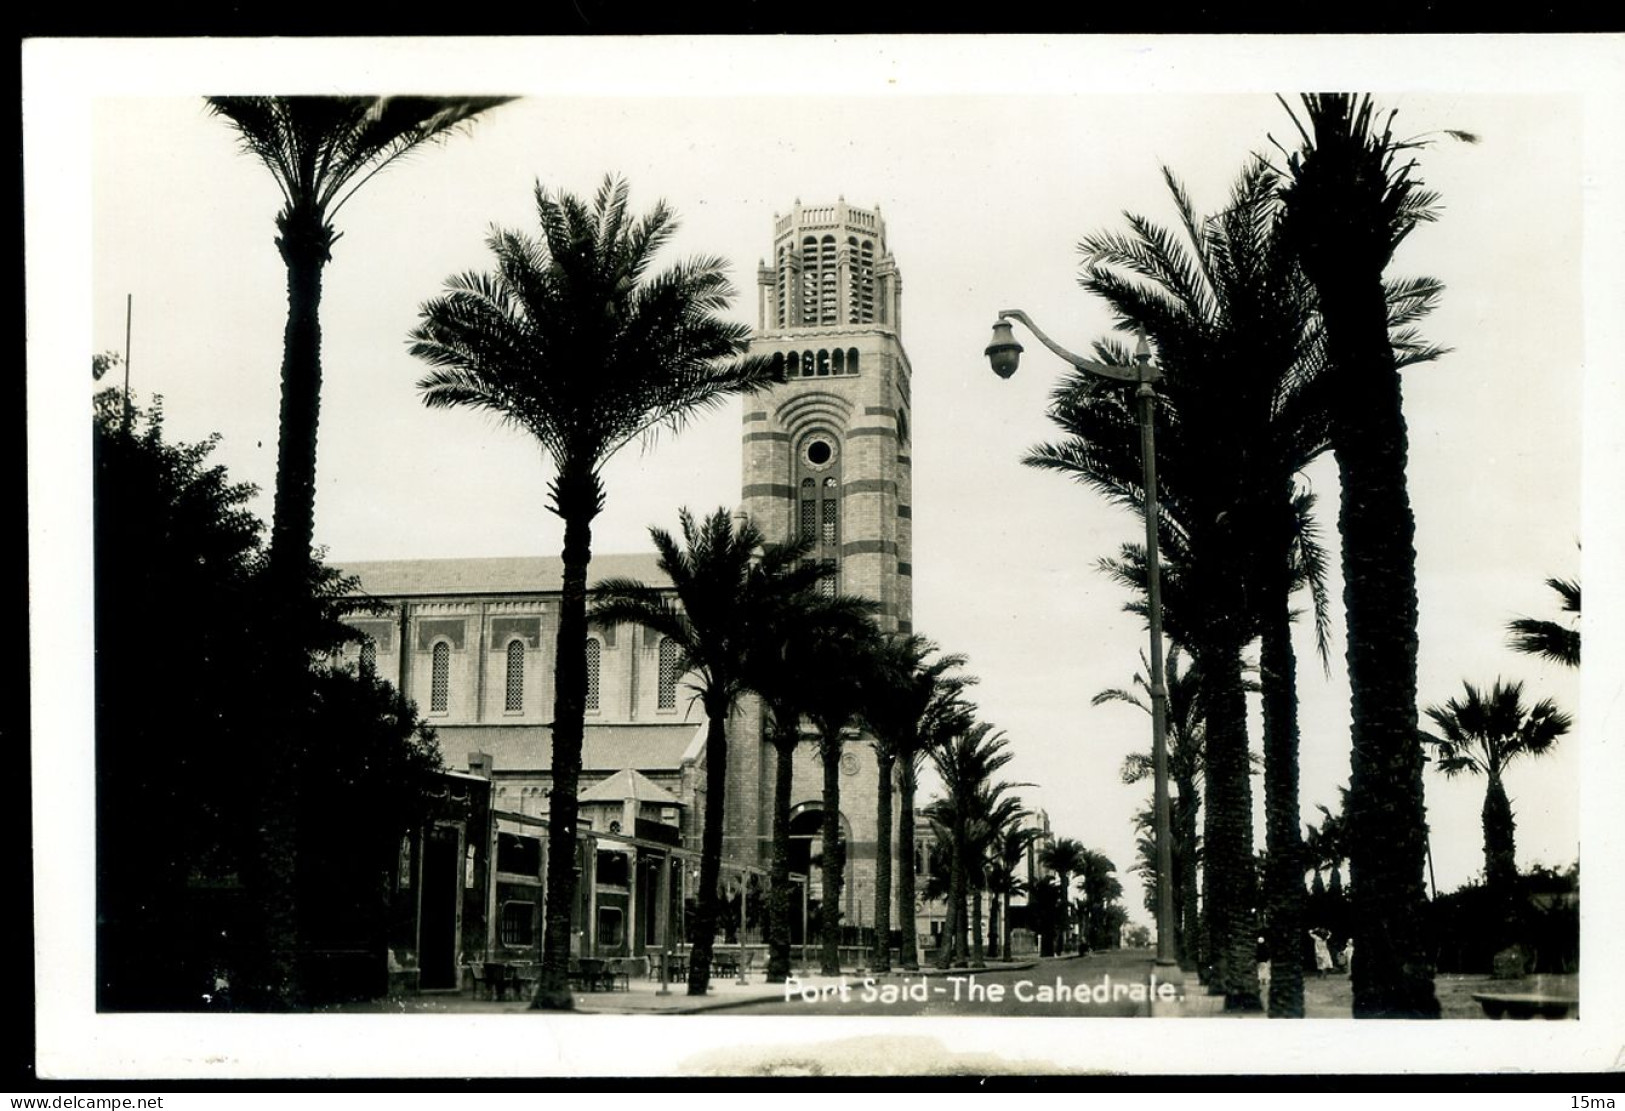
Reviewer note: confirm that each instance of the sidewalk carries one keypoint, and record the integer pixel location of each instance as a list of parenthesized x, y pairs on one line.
[(644, 996)]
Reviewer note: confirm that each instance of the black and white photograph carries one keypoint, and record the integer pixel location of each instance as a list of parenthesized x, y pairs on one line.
[(760, 556)]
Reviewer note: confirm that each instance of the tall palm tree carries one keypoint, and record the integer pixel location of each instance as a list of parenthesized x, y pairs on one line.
[(1481, 734), (1186, 737), (320, 150), (572, 340), (910, 700), (1005, 857), (1066, 857), (840, 660), (1350, 197), (995, 810), (967, 765), (725, 582), (1549, 639), (1233, 322), (1101, 889), (1326, 845), (783, 652)]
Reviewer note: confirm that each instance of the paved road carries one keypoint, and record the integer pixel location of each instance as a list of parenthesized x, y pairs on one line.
[(1105, 985)]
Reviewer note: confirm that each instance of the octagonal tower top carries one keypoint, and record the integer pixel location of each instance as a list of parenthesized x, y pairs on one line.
[(830, 269)]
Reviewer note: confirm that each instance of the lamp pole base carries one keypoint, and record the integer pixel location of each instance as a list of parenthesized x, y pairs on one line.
[(1167, 990)]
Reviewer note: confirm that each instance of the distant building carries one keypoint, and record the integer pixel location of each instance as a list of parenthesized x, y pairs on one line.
[(825, 455)]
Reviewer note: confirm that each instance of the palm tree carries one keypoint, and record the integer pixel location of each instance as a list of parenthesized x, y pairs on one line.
[(839, 663), (1348, 202), (1046, 911), (779, 660), (1066, 857), (1101, 889), (1549, 639), (572, 340), (995, 810), (911, 701), (1232, 318), (1186, 737), (724, 583), (1481, 734), (966, 764), (1006, 854), (320, 150)]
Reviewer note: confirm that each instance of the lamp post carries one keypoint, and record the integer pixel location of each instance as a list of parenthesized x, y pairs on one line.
[(1004, 353)]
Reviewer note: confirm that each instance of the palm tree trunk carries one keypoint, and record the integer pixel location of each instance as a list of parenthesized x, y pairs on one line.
[(779, 890), (578, 500), (304, 246), (1005, 925), (959, 947), (1230, 829), (905, 877), (950, 925), (1500, 844), (1283, 897), (1394, 978), (709, 909), (829, 911), (883, 859), (995, 923), (276, 980), (1185, 815), (1065, 924), (978, 957)]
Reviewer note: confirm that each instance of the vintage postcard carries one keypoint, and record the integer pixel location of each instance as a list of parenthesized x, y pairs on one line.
[(735, 644)]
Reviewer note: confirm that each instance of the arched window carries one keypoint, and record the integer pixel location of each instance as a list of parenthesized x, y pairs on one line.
[(854, 289), (838, 362), (783, 285), (818, 493), (666, 693), (595, 657), (809, 510), (823, 364), (851, 360), (515, 698), (792, 365), (439, 677), (864, 282), (828, 306), (809, 280)]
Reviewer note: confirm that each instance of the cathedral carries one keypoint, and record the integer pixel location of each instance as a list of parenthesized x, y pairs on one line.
[(825, 455)]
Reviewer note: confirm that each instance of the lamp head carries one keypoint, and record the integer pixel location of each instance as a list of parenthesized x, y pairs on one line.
[(1003, 352)]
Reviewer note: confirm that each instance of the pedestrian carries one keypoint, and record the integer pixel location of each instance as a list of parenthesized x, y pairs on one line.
[(1262, 955), (1348, 958), (1323, 952)]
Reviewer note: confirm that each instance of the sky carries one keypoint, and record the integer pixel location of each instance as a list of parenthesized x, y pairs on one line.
[(989, 161)]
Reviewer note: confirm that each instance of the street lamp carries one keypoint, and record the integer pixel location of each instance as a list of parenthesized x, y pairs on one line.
[(1004, 353)]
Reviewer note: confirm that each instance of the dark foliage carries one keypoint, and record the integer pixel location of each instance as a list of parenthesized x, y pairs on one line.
[(1546, 924), (181, 621)]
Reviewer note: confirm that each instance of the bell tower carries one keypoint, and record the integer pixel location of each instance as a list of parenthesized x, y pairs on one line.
[(826, 454)]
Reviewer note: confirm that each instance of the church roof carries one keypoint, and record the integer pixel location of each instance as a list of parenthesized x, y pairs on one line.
[(629, 784), (396, 578)]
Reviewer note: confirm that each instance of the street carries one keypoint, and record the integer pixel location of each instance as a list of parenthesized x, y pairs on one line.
[(1112, 984)]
